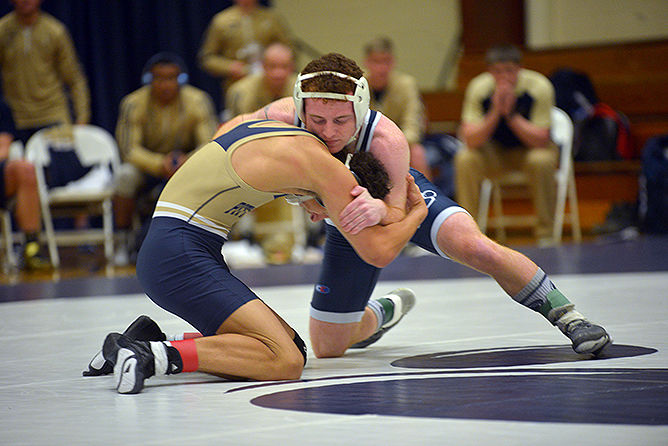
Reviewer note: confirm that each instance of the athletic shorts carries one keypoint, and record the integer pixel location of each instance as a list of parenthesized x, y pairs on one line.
[(346, 281), (3, 197), (182, 270)]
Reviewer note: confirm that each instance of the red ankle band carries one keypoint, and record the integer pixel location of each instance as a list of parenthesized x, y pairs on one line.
[(188, 351)]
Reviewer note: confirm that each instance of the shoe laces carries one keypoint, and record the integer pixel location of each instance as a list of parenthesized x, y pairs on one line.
[(577, 324)]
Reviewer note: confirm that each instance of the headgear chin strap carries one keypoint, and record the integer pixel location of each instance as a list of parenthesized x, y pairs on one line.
[(360, 98)]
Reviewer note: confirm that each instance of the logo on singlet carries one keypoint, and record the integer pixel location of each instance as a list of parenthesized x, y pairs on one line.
[(322, 289), (240, 209), (429, 197)]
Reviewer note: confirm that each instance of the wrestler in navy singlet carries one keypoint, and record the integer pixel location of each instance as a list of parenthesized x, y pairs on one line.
[(346, 281)]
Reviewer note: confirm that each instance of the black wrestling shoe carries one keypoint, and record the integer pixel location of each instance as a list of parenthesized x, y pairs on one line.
[(135, 361), (143, 329), (403, 300), (586, 337)]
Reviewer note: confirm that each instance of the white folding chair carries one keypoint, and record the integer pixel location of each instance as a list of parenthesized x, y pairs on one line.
[(561, 132), (95, 147), (8, 239), (8, 236)]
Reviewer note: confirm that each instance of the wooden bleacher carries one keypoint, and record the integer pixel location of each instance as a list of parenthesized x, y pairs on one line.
[(631, 78)]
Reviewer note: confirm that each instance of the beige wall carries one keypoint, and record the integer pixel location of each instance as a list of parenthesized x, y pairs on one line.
[(425, 32), (563, 23), (422, 31)]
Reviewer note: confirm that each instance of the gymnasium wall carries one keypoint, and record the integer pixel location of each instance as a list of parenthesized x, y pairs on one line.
[(426, 32)]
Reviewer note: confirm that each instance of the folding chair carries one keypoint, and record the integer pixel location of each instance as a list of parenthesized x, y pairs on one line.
[(8, 236), (561, 132), (94, 147)]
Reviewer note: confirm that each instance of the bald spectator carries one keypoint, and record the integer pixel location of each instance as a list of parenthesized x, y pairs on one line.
[(275, 81)]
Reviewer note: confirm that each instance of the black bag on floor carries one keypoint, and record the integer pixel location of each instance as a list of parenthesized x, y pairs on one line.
[(604, 135), (653, 196)]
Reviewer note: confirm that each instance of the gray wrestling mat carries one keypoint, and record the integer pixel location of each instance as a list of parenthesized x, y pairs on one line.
[(466, 366)]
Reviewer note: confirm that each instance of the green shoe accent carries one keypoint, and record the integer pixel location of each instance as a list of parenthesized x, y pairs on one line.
[(555, 301), (396, 305), (388, 309)]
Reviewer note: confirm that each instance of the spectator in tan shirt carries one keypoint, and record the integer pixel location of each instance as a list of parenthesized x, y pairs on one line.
[(159, 125), (38, 64)]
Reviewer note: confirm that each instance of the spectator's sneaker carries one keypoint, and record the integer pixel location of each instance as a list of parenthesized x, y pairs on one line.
[(586, 337), (143, 329), (403, 300), (33, 260)]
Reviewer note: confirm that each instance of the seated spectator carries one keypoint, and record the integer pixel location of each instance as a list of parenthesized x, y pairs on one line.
[(396, 95), (505, 127), (17, 180), (158, 126), (275, 81)]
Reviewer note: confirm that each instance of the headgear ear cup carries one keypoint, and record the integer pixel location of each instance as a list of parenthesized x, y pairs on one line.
[(360, 97), (166, 58)]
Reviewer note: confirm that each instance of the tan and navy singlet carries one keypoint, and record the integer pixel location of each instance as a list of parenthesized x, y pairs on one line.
[(206, 191), (180, 264)]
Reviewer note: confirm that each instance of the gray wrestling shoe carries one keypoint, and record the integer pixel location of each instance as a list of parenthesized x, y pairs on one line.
[(403, 301), (586, 337), (143, 329)]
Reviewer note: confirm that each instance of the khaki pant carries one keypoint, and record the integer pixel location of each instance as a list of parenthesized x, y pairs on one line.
[(492, 161)]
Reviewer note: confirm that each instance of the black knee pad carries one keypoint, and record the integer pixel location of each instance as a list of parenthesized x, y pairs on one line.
[(301, 345)]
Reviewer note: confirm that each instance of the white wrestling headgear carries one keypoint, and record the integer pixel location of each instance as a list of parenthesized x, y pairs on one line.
[(360, 98)]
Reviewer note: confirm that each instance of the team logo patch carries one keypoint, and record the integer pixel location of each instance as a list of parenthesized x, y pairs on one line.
[(429, 197), (322, 289), (240, 209)]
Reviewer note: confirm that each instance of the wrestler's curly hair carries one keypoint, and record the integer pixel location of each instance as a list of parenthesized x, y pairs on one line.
[(331, 84), (371, 174)]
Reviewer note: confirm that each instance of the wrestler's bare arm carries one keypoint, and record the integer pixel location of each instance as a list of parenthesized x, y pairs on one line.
[(390, 147), (279, 110), (378, 245), (279, 167)]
